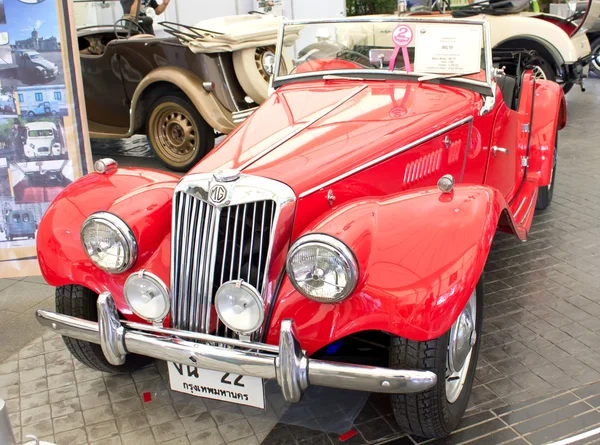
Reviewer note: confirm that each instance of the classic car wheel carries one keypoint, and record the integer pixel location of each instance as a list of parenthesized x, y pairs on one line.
[(595, 63), (177, 133), (546, 192), (78, 301), (31, 113), (453, 357)]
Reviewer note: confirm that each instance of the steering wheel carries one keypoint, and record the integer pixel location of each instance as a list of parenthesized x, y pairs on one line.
[(332, 50), (124, 26)]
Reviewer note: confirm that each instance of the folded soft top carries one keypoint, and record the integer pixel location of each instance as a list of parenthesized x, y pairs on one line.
[(234, 33)]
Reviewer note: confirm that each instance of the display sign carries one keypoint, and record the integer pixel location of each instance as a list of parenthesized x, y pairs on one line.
[(42, 143), (448, 49)]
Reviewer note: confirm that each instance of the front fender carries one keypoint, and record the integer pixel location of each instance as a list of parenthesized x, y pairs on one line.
[(549, 116), (420, 256), (140, 197)]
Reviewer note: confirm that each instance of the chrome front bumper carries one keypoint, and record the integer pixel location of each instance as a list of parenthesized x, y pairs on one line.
[(288, 363)]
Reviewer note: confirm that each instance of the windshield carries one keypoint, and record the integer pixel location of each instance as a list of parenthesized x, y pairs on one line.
[(39, 133), (34, 56), (427, 49)]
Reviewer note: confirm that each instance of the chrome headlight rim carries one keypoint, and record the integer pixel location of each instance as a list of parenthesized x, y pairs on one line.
[(124, 233), (160, 284), (342, 251)]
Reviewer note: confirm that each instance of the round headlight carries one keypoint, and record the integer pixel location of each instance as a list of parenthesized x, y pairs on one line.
[(239, 306), (108, 242), (322, 268), (147, 296)]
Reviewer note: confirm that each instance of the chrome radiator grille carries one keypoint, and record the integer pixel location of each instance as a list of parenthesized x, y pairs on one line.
[(213, 245)]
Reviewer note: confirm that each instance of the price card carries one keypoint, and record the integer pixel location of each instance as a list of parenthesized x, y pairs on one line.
[(454, 49)]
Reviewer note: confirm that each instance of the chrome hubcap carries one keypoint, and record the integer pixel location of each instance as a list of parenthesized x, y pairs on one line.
[(463, 337)]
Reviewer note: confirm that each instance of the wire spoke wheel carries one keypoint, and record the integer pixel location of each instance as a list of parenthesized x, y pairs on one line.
[(539, 73)]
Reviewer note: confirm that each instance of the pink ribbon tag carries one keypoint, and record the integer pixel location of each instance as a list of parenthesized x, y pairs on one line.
[(402, 36)]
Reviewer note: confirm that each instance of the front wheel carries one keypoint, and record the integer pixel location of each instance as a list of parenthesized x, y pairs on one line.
[(78, 301), (177, 133), (453, 358)]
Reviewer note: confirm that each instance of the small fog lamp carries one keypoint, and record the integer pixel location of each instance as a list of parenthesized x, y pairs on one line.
[(147, 296), (239, 306)]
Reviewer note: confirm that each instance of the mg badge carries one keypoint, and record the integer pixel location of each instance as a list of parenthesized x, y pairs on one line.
[(218, 194)]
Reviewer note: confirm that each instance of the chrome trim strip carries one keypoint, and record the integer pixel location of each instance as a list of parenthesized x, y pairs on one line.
[(464, 166), (208, 338), (286, 138), (386, 156), (290, 366), (529, 207)]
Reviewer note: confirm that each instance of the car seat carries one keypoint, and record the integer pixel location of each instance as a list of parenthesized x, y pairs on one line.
[(507, 84)]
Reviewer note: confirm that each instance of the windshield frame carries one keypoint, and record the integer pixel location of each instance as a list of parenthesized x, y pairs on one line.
[(485, 88)]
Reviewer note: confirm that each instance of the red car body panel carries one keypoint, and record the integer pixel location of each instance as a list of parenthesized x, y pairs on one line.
[(416, 274), (420, 252)]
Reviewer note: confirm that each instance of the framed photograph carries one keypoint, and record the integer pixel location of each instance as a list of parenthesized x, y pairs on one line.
[(43, 128)]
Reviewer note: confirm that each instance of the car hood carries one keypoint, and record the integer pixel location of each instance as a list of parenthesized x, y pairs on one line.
[(44, 64), (306, 134)]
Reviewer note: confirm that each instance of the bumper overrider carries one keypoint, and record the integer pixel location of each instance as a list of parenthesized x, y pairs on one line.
[(287, 363)]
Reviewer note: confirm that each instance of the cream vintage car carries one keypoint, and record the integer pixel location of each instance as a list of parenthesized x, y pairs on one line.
[(559, 48), (180, 89)]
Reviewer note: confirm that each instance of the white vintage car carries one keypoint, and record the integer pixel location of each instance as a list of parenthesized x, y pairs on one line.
[(43, 141)]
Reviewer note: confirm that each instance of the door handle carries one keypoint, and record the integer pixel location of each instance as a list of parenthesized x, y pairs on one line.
[(500, 149)]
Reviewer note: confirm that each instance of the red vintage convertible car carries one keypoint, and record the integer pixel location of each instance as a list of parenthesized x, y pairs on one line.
[(336, 238)]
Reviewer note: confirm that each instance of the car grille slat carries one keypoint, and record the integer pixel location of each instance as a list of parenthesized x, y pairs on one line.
[(196, 289), (212, 245)]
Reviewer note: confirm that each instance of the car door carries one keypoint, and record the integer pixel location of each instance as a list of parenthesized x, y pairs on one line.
[(509, 145), (103, 88)]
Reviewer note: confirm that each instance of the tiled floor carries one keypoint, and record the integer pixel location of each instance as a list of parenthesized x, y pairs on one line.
[(541, 339)]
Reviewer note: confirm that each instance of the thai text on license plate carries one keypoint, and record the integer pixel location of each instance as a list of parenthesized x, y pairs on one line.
[(217, 385)]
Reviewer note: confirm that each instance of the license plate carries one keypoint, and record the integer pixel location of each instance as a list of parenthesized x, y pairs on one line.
[(216, 385)]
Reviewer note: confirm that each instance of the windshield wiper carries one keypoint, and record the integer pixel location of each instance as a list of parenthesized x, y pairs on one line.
[(427, 77)]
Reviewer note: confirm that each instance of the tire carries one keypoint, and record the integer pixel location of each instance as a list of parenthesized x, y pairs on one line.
[(54, 113), (31, 113), (78, 301), (430, 414), (177, 133), (546, 192), (595, 63)]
